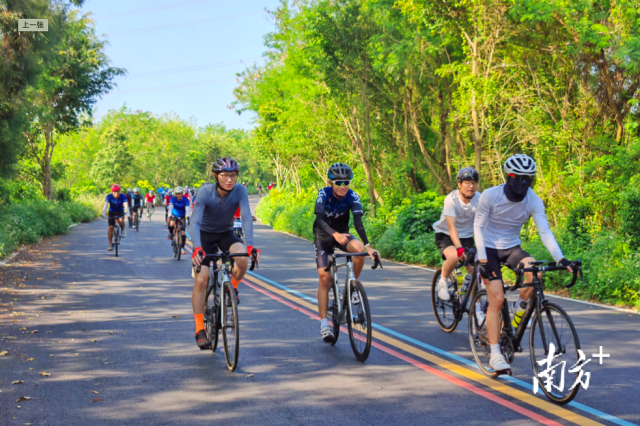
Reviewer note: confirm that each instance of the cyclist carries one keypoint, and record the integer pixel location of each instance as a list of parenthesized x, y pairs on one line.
[(331, 230), (129, 196), (136, 203), (454, 230), (180, 209), (118, 207), (501, 213), (212, 226), (167, 198), (150, 200)]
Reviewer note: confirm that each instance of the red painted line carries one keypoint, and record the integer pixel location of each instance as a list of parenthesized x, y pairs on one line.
[(422, 366)]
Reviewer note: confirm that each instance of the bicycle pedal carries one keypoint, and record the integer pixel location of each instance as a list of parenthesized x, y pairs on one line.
[(503, 372)]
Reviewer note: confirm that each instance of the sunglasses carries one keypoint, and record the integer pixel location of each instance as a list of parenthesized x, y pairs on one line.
[(341, 182), (523, 178)]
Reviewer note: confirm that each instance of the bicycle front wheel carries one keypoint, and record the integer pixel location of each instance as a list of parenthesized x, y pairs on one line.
[(211, 316), (178, 244), (478, 338), (359, 322), (444, 310), (230, 327), (554, 327), (333, 309)]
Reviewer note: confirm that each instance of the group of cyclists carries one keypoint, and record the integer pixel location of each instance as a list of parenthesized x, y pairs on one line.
[(490, 222)]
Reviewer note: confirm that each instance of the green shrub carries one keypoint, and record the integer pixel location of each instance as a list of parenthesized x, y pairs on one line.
[(417, 214)]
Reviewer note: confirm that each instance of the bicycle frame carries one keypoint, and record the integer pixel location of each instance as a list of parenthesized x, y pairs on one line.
[(347, 286)]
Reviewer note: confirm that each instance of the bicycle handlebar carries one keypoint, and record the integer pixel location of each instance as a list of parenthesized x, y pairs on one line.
[(224, 255), (552, 266), (376, 261)]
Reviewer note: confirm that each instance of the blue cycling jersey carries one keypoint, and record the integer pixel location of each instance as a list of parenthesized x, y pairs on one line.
[(336, 212), (179, 207), (116, 204)]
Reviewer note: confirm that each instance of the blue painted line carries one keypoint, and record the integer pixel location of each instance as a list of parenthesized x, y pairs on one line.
[(521, 383)]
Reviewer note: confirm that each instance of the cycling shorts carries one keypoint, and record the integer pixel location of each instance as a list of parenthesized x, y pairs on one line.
[(222, 240), (325, 246), (113, 216), (182, 223), (135, 209), (443, 241), (512, 257)]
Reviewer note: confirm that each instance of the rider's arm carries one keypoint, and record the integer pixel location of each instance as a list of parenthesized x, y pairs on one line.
[(104, 209), (322, 223), (247, 220), (453, 231), (188, 210), (546, 236), (126, 209), (357, 223), (194, 225), (319, 210), (482, 213)]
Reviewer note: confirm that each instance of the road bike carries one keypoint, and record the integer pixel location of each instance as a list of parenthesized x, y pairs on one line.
[(550, 327), (177, 237), (136, 220), (150, 210), (222, 314), (448, 313), (116, 236), (352, 307)]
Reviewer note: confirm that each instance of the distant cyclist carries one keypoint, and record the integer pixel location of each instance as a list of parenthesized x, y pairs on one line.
[(136, 203), (454, 230), (129, 197), (116, 202), (501, 213), (212, 226), (331, 230), (167, 198), (180, 209), (150, 200)]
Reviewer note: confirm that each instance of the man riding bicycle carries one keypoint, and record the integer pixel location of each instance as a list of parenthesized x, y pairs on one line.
[(118, 207), (501, 213), (167, 199), (150, 200), (180, 209), (212, 226), (331, 230), (136, 203), (454, 230)]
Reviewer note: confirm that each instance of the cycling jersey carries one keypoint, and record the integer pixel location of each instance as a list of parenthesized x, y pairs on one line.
[(499, 221), (464, 214), (332, 214), (167, 199), (116, 204), (136, 200), (214, 214), (150, 198), (129, 194), (180, 208)]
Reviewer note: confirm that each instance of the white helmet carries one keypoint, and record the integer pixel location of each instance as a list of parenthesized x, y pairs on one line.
[(178, 190), (520, 164), (136, 189)]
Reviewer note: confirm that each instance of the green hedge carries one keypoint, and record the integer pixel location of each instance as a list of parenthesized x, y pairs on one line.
[(26, 222)]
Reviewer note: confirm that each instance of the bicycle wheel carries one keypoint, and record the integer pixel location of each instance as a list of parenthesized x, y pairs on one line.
[(478, 338), (557, 329), (116, 237), (230, 327), (332, 312), (445, 310), (178, 244), (211, 316), (137, 222), (359, 322)]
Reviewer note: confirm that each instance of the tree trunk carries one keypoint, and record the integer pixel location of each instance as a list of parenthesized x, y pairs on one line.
[(47, 184)]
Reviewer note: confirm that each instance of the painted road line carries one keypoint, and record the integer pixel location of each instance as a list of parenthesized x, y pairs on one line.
[(434, 371), (521, 383), (491, 383)]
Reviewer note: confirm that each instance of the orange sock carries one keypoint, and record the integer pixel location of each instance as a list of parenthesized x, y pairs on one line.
[(234, 283), (199, 321)]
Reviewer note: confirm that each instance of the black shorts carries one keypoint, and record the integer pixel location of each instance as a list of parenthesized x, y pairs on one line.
[(325, 245), (113, 216), (443, 241), (183, 221), (512, 257), (135, 209), (223, 240)]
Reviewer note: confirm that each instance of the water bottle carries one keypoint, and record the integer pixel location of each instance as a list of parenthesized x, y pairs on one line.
[(465, 284)]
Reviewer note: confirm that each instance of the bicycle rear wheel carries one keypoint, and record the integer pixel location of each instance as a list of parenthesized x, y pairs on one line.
[(211, 316), (445, 310), (478, 338), (359, 322), (178, 247), (557, 329), (116, 238), (332, 312), (137, 222), (230, 327)]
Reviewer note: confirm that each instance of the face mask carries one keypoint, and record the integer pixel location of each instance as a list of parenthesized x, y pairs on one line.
[(516, 191)]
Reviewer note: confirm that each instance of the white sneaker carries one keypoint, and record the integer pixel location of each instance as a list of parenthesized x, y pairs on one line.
[(124, 234), (443, 289), (499, 363), (327, 334), (110, 248)]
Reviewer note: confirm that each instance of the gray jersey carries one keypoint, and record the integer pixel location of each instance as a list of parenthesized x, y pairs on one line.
[(499, 222), (213, 213), (464, 214)]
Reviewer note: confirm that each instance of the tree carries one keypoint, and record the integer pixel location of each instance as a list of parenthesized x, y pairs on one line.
[(113, 162)]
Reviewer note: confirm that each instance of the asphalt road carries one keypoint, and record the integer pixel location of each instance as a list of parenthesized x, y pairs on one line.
[(115, 340)]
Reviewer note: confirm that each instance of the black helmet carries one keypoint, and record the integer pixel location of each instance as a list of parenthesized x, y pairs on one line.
[(340, 171), (468, 173), (225, 164)]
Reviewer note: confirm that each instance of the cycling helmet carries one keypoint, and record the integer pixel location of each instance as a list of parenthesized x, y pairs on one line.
[(468, 173), (340, 171), (178, 190), (136, 189), (170, 192), (128, 189), (115, 187), (226, 164), (520, 164)]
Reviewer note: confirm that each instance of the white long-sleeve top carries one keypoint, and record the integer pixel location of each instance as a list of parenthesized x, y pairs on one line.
[(498, 222)]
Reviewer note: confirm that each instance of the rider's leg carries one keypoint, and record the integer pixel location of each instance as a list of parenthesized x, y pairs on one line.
[(451, 260), (240, 264), (172, 225), (495, 294), (356, 246), (197, 296), (324, 284), (110, 233)]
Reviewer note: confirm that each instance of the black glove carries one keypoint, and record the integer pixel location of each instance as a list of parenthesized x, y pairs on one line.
[(484, 270), (565, 263)]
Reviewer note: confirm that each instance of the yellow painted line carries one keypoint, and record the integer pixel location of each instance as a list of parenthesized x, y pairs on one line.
[(469, 374)]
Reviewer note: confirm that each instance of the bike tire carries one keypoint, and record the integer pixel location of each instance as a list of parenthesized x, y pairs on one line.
[(478, 339), (230, 327), (116, 239), (137, 222), (332, 312), (211, 312), (551, 314), (359, 323), (179, 245), (445, 310)]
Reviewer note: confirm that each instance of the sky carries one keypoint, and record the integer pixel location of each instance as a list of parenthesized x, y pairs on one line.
[(181, 56)]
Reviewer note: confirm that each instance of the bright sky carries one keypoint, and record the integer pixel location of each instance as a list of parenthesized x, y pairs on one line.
[(182, 56)]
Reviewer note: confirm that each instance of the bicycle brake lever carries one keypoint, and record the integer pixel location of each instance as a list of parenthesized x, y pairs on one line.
[(377, 263)]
